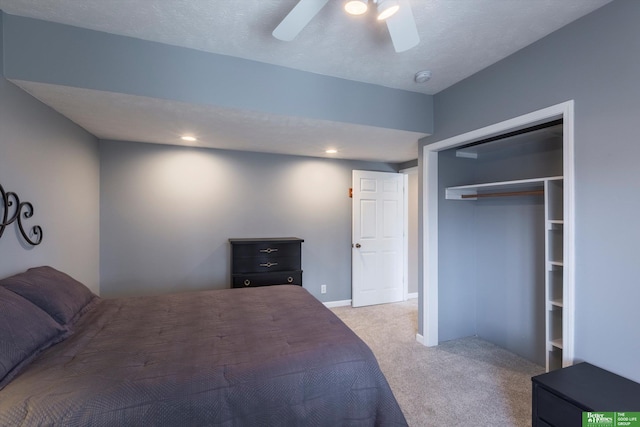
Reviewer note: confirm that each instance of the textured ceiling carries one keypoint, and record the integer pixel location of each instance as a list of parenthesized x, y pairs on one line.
[(458, 38)]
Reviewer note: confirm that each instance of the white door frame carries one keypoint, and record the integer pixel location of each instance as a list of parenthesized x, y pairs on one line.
[(429, 298)]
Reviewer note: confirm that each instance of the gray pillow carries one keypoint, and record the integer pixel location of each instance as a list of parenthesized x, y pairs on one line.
[(58, 294), (26, 331)]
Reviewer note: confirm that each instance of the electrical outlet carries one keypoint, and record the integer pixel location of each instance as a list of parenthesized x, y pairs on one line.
[(323, 289)]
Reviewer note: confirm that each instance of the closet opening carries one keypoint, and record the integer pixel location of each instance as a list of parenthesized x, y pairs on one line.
[(498, 250)]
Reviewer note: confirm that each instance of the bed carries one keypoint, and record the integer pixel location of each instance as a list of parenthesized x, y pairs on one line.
[(268, 356)]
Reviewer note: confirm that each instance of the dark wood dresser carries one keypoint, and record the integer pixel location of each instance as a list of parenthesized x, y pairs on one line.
[(560, 397), (265, 262)]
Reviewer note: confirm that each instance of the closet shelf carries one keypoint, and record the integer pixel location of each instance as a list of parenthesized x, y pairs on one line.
[(501, 188), (556, 302), (555, 224), (557, 343)]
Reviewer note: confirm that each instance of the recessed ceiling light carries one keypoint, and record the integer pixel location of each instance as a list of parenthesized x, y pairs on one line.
[(356, 7), (422, 76), (188, 138), (331, 151)]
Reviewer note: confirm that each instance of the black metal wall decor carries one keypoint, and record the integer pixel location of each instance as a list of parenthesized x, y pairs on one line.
[(11, 203)]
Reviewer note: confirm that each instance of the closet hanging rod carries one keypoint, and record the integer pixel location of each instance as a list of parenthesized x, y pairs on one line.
[(504, 194)]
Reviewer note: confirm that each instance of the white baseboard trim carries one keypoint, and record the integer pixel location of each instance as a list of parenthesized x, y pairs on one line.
[(342, 303), (420, 339), (412, 295)]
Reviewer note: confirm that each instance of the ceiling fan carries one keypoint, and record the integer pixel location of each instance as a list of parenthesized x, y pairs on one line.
[(396, 13)]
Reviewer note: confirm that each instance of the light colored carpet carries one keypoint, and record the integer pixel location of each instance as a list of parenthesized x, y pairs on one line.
[(464, 382)]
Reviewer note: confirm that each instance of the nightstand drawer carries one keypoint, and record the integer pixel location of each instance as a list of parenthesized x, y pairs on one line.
[(556, 411)]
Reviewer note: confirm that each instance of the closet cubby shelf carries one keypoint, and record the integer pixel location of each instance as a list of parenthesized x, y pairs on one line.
[(501, 188), (557, 343), (556, 302)]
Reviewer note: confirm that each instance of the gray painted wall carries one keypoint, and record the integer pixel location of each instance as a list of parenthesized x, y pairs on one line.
[(595, 62), (510, 274), (167, 212), (457, 262), (52, 163)]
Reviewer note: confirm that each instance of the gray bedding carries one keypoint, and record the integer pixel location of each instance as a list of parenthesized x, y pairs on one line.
[(271, 356)]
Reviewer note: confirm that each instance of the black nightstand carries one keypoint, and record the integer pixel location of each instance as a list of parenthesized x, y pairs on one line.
[(560, 397), (264, 262)]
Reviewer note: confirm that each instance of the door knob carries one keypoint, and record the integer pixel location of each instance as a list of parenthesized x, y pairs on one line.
[(358, 245)]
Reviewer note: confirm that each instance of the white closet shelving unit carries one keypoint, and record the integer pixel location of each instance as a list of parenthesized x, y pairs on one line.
[(554, 289), (552, 188)]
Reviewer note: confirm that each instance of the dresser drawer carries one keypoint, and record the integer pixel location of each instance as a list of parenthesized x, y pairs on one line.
[(262, 249), (267, 279), (556, 411), (266, 263)]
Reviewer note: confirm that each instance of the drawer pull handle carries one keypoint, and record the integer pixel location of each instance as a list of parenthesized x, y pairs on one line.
[(289, 279), (268, 264), (268, 250), (247, 282)]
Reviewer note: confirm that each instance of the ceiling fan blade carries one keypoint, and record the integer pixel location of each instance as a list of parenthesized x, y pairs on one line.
[(297, 19), (402, 28)]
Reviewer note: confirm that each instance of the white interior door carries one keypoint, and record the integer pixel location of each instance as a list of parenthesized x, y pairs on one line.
[(377, 238)]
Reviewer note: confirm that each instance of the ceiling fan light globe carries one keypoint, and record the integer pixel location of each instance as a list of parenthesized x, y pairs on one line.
[(356, 7), (387, 8)]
